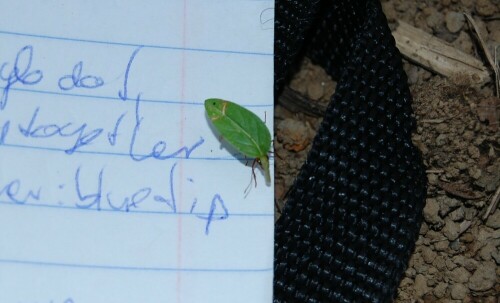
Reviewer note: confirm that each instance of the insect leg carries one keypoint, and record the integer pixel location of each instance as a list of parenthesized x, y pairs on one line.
[(254, 163)]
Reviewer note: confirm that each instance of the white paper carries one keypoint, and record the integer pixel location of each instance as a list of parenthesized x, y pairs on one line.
[(113, 187)]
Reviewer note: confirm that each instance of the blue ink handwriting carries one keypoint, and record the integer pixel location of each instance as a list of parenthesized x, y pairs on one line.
[(123, 94), (83, 137), (20, 72), (69, 82), (112, 135), (4, 132), (217, 200), (12, 191), (159, 148), (170, 202), (93, 197), (133, 201)]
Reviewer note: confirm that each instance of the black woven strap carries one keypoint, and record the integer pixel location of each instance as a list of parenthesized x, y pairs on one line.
[(353, 214)]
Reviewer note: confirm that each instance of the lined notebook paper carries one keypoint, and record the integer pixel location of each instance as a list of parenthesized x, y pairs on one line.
[(113, 187)]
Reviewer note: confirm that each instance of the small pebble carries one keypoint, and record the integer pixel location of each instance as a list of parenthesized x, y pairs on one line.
[(450, 264), (441, 245), (470, 264), (467, 3), (439, 263), (457, 215), (454, 21), (485, 8), (420, 286), (458, 291), (494, 220), (459, 275), (428, 255), (473, 152), (440, 290), (431, 212), (483, 278), (486, 252), (315, 90), (451, 230), (475, 172), (447, 205)]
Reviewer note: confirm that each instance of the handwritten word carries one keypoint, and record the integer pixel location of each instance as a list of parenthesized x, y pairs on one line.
[(20, 72), (83, 136), (13, 192), (157, 152), (94, 198), (97, 198), (76, 79)]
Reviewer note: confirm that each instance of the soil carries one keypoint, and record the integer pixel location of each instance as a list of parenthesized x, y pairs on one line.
[(457, 255)]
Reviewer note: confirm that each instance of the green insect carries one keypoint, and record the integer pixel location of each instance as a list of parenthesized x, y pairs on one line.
[(243, 130)]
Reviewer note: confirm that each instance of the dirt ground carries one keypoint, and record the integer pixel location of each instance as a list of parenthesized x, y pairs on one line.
[(457, 256)]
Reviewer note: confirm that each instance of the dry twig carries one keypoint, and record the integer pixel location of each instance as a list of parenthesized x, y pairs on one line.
[(486, 52), (493, 203), (437, 55)]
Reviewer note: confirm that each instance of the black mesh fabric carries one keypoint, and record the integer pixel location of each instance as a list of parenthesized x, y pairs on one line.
[(354, 212)]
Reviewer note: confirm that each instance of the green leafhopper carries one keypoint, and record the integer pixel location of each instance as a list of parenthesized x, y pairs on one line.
[(242, 129)]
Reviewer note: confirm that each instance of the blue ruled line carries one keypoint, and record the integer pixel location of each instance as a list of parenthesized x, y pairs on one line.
[(271, 158), (119, 99), (152, 212), (174, 48), (134, 268)]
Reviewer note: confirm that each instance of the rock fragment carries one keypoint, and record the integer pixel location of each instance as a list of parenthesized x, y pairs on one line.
[(431, 213), (440, 290), (420, 286), (459, 275), (483, 278), (485, 8), (454, 21), (451, 230), (458, 291)]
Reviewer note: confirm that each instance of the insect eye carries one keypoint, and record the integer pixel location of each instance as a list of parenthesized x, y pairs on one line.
[(213, 104)]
